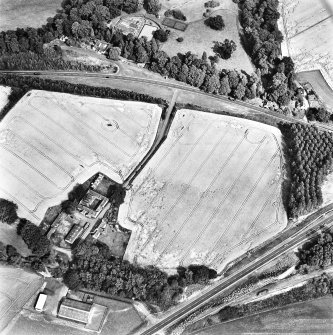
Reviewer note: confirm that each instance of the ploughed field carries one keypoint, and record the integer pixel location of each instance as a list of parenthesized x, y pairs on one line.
[(51, 141), (210, 193)]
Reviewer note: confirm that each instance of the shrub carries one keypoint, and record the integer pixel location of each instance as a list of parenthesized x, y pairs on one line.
[(180, 39), (215, 22), (212, 4)]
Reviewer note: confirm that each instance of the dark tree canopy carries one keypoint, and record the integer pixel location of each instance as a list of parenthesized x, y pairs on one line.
[(224, 49), (8, 211), (161, 35), (215, 22), (311, 155)]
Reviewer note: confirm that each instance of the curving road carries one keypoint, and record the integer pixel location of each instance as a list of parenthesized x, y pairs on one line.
[(180, 87)]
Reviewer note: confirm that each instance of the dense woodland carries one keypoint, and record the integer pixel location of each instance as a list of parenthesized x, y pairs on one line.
[(262, 40), (318, 254), (310, 152), (95, 268), (315, 288)]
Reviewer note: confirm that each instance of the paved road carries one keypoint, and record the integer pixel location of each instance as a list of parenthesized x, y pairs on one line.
[(289, 244), (180, 87)]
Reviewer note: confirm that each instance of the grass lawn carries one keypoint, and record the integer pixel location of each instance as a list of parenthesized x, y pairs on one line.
[(23, 13), (8, 235), (199, 38)]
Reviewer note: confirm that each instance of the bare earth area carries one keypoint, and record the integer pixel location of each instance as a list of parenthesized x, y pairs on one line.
[(308, 31), (17, 286), (26, 13), (210, 193), (4, 93), (51, 141), (199, 38)]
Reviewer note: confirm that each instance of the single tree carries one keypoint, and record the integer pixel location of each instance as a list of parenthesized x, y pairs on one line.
[(215, 22)]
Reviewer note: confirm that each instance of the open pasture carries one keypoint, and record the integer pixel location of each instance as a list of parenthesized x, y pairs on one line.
[(17, 286), (23, 13), (199, 38), (210, 193), (51, 141), (307, 27)]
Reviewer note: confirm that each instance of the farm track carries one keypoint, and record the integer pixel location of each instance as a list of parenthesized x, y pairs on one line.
[(217, 210), (196, 206)]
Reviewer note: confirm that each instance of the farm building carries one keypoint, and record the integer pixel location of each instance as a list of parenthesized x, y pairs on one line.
[(75, 310), (92, 204), (73, 234)]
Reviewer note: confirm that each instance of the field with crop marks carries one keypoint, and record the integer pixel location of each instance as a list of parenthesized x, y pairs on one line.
[(308, 34), (210, 193), (17, 286), (51, 141)]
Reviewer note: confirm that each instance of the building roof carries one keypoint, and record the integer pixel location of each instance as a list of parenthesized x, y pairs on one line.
[(74, 233), (41, 302), (74, 310)]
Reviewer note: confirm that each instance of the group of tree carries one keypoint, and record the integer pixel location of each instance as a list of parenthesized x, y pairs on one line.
[(175, 13), (212, 4), (94, 267), (224, 49), (314, 288), (318, 254), (34, 238), (152, 6), (310, 153), (215, 22), (8, 211), (319, 114)]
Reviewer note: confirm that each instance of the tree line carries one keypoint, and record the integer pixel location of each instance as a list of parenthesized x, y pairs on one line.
[(310, 155), (95, 268)]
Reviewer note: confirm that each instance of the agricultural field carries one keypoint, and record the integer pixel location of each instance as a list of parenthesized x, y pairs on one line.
[(51, 141), (309, 317), (23, 13), (210, 193), (17, 286), (199, 38), (4, 93), (307, 27)]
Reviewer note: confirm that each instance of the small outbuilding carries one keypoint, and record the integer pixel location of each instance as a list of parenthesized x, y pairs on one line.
[(40, 302)]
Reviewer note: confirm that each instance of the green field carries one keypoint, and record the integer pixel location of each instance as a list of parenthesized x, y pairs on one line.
[(311, 317), (26, 13)]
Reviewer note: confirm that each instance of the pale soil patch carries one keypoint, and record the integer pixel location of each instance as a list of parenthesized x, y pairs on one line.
[(4, 93), (199, 38), (8, 235), (51, 141), (327, 190), (210, 193), (308, 30), (26, 13), (16, 288)]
